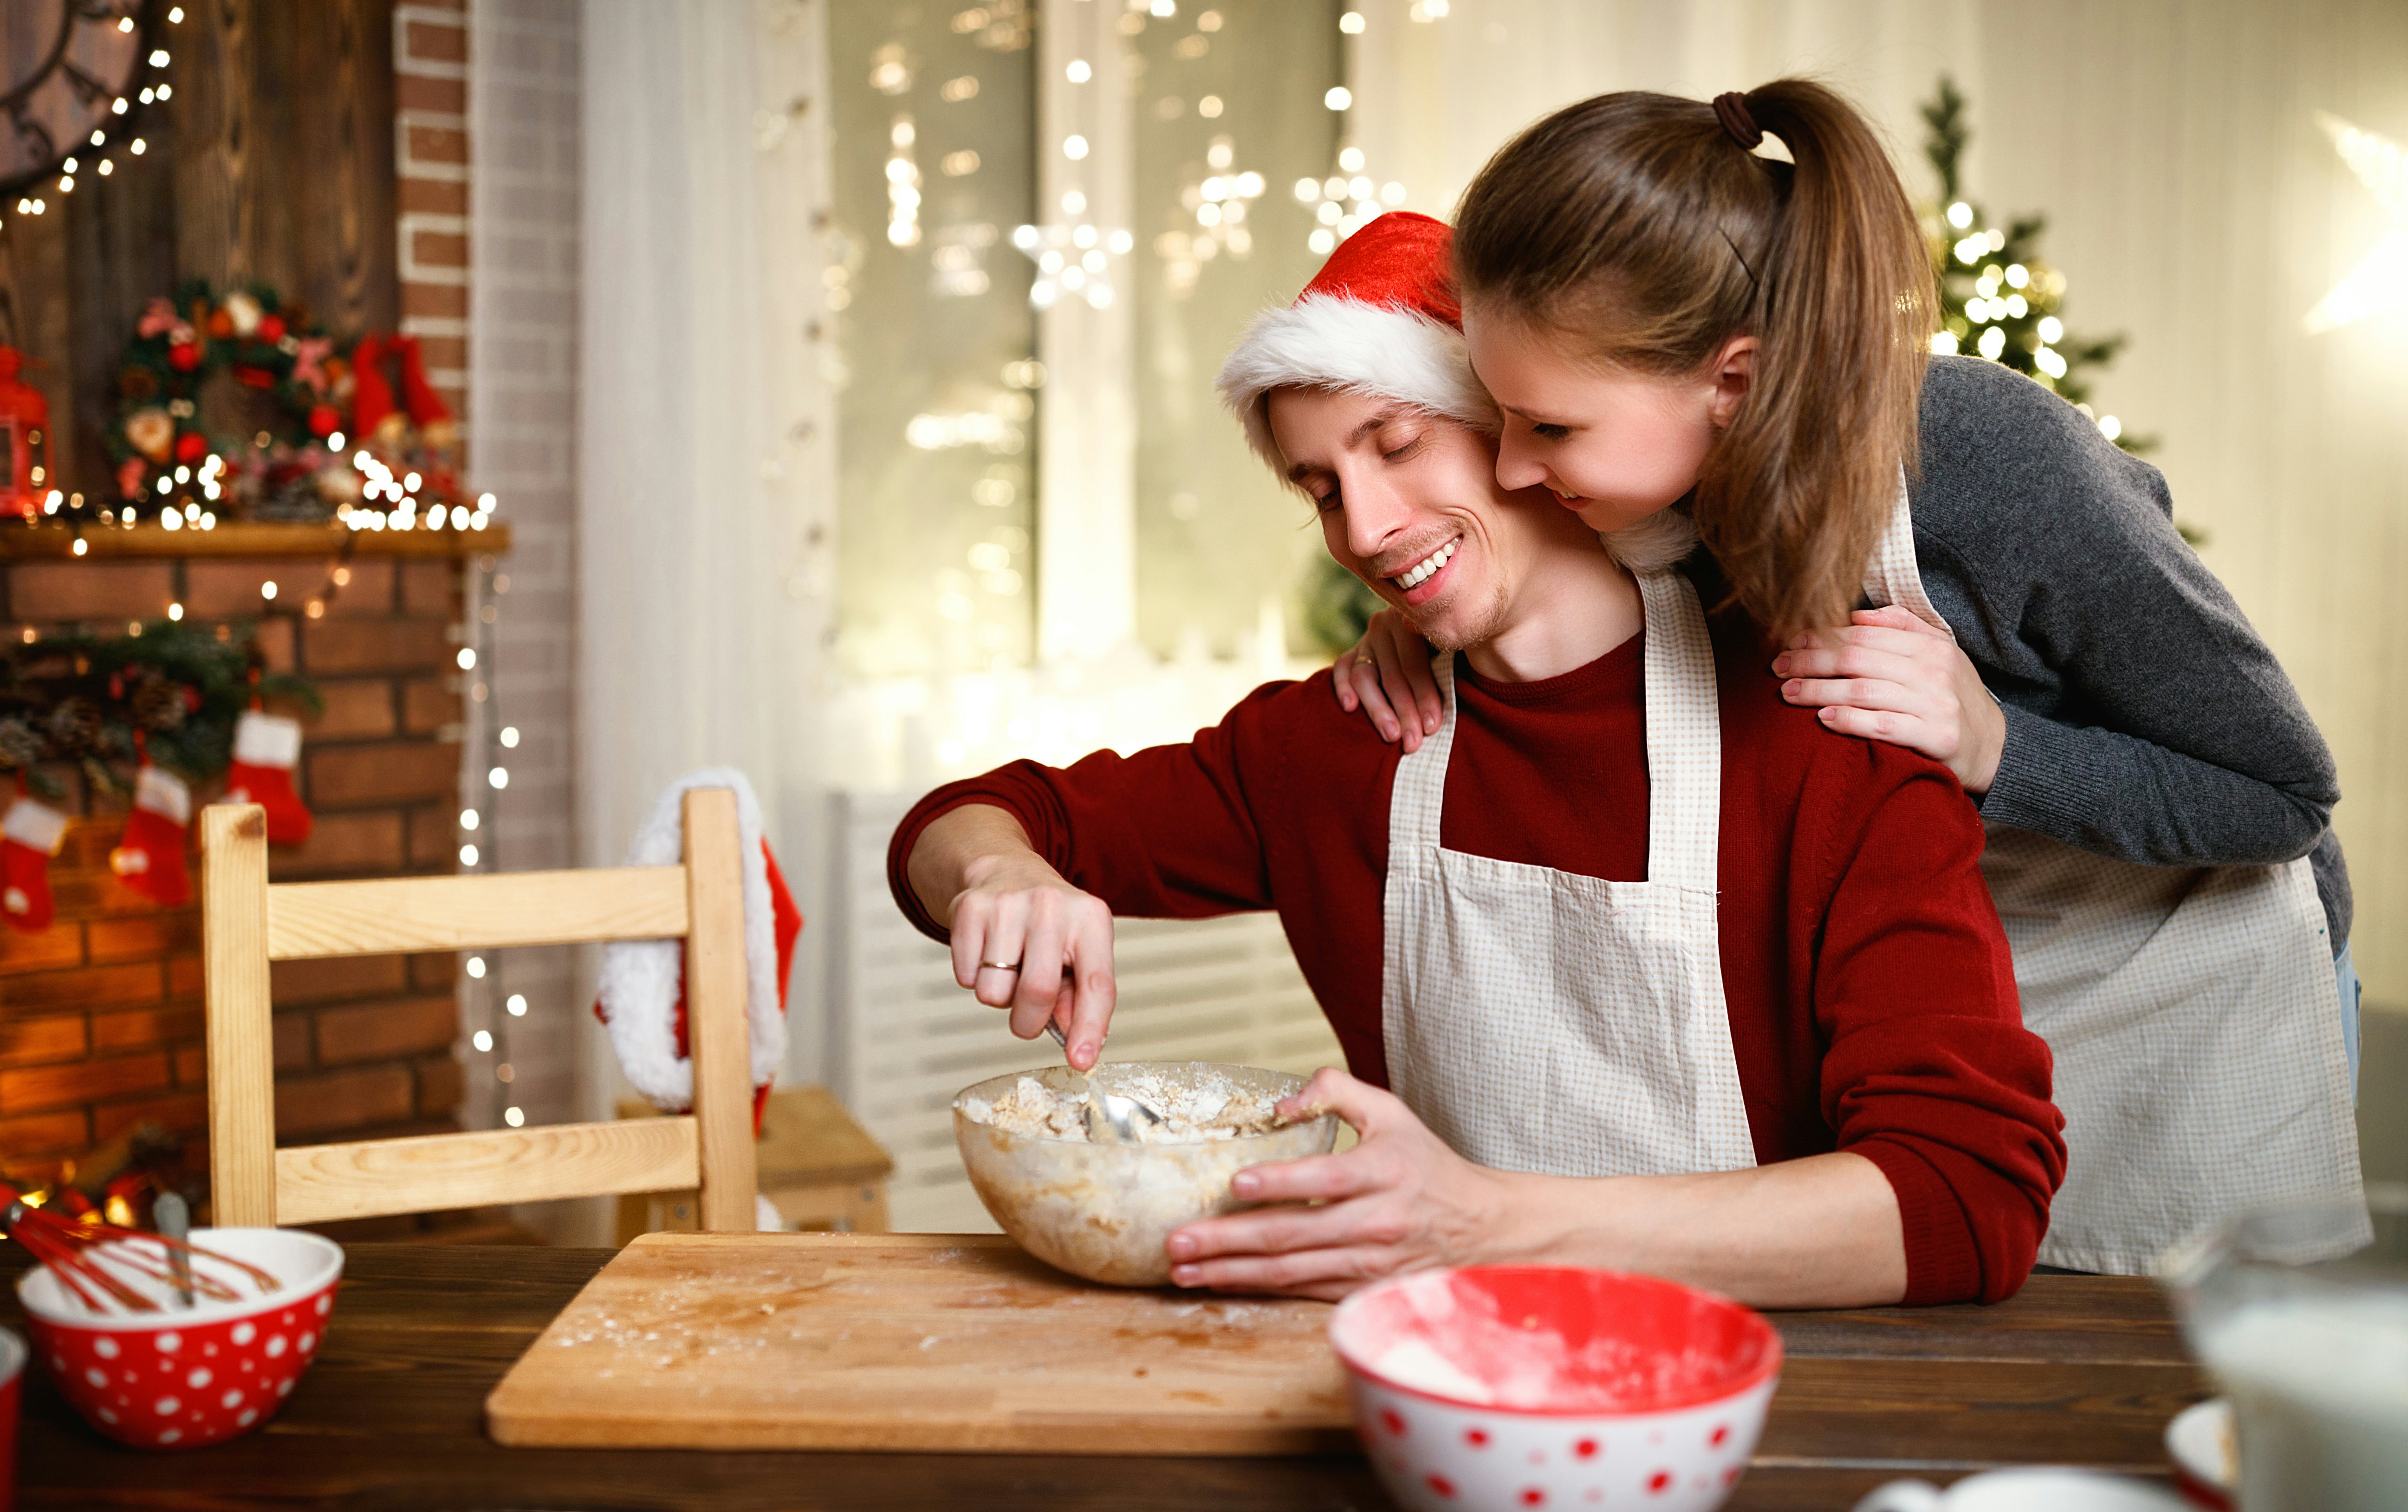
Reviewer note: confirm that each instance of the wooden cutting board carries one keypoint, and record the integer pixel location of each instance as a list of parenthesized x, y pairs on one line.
[(915, 1341)]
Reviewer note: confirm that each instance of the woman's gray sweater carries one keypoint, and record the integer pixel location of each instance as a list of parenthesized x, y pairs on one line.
[(2145, 719)]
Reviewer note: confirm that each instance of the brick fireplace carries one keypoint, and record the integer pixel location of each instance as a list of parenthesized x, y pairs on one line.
[(100, 1015)]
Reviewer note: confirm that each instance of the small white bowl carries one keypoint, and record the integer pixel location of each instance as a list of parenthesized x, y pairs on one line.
[(1513, 1387)]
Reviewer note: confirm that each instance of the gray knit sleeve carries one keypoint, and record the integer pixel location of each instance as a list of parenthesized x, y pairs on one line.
[(2145, 719)]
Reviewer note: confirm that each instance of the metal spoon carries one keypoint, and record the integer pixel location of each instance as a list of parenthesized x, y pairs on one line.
[(1112, 1117)]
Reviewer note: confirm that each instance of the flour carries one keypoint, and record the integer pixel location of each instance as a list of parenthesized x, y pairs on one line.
[(1194, 1109)]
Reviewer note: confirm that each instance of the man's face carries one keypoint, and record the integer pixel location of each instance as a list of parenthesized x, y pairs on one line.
[(1409, 504)]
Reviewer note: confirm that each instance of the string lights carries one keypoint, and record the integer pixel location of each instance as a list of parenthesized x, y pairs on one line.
[(119, 129), (1347, 200), (485, 749)]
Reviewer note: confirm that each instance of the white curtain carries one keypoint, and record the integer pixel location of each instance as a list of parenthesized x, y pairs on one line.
[(705, 481)]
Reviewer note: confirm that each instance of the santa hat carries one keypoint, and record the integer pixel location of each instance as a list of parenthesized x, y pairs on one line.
[(642, 996), (1382, 318), (1379, 318)]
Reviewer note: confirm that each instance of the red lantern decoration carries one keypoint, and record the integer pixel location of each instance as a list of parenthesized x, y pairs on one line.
[(25, 440)]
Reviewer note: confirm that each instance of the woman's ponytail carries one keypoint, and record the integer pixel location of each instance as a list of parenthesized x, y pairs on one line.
[(1643, 228)]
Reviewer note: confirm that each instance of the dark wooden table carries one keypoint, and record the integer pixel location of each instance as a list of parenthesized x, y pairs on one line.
[(2076, 1370)]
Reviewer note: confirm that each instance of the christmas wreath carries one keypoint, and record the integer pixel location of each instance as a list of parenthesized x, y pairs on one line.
[(175, 704), (234, 404)]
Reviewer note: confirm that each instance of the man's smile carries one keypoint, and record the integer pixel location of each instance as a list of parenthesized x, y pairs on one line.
[(1427, 568)]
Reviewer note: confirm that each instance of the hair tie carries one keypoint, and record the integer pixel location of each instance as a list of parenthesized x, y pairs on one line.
[(1731, 111)]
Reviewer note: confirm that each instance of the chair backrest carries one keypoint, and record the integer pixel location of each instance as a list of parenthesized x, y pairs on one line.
[(247, 923)]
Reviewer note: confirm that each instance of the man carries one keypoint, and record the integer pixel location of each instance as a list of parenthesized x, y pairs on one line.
[(1750, 1025)]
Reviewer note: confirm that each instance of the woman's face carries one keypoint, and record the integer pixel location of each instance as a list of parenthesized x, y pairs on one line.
[(1613, 445)]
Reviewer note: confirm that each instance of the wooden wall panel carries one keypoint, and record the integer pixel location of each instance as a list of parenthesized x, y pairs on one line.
[(273, 161)]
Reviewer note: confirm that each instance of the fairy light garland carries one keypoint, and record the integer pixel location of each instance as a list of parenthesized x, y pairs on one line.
[(126, 113), (1348, 199), (485, 752)]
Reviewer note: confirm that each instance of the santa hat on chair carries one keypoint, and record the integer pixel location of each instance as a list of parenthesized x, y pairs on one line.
[(642, 997), (1382, 318)]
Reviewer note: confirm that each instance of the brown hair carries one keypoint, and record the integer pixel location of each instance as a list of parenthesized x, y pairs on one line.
[(1637, 226)]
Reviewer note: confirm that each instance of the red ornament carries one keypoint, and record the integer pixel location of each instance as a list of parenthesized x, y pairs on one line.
[(254, 378), (221, 325), (183, 356), (271, 329), (192, 446), (325, 420), (25, 436)]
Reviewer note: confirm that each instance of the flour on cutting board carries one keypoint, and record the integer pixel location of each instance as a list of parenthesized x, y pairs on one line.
[(800, 1341)]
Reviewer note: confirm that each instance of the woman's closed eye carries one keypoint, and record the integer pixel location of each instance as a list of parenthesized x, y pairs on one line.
[(1550, 431)]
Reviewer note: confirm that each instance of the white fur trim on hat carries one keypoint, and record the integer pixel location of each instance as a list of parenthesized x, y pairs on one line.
[(1326, 342), (639, 978)]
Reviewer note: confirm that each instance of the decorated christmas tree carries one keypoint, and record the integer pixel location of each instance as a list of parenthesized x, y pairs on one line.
[(1998, 297)]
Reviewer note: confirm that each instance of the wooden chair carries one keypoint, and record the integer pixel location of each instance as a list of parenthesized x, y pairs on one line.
[(246, 923)]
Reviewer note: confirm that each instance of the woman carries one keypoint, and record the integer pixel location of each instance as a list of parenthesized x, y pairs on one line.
[(1670, 321)]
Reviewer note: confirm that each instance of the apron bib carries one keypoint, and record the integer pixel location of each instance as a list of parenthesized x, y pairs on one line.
[(2199, 1058), (1543, 1021)]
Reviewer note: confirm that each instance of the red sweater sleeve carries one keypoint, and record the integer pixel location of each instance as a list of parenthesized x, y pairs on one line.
[(1928, 1071), (1163, 834)]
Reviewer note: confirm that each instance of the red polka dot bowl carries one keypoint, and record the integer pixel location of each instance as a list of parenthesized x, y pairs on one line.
[(188, 1377), (1519, 1387)]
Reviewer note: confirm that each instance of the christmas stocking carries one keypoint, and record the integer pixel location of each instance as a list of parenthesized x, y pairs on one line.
[(29, 838), (266, 748), (374, 415), (151, 858), (427, 410)]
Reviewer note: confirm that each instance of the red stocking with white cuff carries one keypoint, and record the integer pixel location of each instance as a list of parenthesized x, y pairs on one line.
[(29, 838), (151, 858), (267, 751)]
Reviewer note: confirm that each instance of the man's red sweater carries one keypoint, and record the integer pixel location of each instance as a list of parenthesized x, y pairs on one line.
[(1872, 998)]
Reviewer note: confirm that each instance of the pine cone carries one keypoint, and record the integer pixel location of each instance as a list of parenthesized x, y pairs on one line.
[(158, 705), (75, 726), (20, 745)]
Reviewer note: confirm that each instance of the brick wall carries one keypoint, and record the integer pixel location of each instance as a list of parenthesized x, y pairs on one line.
[(430, 65), (100, 1016), (523, 101)]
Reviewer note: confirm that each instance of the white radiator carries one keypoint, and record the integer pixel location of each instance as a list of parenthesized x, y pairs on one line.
[(904, 1038)]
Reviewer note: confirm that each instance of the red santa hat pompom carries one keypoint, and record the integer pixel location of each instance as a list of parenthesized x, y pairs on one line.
[(29, 838), (642, 996), (1383, 318), (266, 750)]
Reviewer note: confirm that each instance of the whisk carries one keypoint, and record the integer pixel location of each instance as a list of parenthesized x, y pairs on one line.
[(94, 1260)]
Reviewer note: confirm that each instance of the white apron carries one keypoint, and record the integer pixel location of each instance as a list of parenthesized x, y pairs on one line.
[(1539, 1021), (2190, 1010)]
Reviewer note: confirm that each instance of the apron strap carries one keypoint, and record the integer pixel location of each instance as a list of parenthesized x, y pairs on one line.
[(1419, 797), (1893, 575), (1684, 738)]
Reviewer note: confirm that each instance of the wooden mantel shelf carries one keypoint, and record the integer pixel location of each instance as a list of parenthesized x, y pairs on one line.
[(56, 542)]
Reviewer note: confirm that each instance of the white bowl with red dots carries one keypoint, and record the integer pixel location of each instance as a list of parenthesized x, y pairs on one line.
[(1515, 1387), (183, 1377)]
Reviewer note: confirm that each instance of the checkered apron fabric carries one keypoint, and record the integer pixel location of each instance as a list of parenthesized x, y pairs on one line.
[(1540, 1021), (2191, 1013)]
